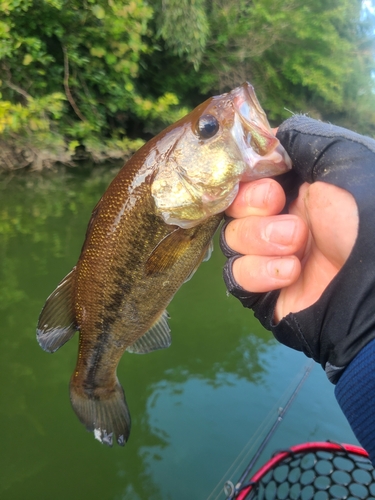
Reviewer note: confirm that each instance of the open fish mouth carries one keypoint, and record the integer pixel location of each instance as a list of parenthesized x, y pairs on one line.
[(261, 150)]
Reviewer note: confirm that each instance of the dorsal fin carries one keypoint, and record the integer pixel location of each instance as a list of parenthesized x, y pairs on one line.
[(56, 324), (157, 337)]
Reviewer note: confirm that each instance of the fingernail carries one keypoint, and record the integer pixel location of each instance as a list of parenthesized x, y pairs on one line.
[(258, 195), (281, 232), (281, 268)]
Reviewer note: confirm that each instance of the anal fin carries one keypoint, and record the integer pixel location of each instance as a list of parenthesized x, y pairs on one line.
[(56, 324), (157, 337)]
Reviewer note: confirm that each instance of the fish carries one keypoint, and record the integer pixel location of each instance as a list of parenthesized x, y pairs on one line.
[(147, 235)]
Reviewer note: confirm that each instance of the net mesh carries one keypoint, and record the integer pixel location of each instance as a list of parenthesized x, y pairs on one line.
[(319, 474)]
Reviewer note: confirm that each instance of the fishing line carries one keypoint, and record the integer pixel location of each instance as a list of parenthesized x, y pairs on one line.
[(251, 444), (272, 430), (240, 459)]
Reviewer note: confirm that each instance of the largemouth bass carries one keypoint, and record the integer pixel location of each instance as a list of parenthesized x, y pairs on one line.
[(147, 235)]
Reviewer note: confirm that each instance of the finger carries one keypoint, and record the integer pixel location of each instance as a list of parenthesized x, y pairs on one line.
[(276, 235), (260, 197), (261, 274)]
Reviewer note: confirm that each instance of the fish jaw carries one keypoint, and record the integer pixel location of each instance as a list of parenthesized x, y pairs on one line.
[(260, 148)]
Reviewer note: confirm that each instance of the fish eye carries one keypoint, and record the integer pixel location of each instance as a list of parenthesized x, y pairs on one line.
[(207, 126)]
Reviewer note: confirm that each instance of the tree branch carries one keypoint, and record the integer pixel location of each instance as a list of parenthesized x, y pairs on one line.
[(12, 85), (66, 85)]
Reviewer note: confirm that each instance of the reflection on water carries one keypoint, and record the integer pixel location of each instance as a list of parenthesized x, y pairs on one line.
[(194, 406)]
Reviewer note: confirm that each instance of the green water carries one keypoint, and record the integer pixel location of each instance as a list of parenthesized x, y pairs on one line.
[(194, 406)]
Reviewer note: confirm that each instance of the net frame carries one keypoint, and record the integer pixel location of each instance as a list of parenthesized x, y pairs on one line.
[(256, 487)]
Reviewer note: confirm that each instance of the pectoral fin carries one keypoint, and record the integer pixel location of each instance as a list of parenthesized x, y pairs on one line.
[(56, 323), (157, 337), (209, 251), (169, 251), (206, 257)]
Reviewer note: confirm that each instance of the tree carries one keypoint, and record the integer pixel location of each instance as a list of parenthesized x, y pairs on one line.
[(306, 56), (71, 68), (110, 71)]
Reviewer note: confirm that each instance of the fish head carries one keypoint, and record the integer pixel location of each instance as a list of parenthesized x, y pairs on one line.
[(203, 157)]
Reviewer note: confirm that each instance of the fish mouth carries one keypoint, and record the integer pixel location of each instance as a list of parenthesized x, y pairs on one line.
[(260, 148)]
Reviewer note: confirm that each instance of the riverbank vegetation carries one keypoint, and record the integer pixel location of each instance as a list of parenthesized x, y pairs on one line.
[(98, 77)]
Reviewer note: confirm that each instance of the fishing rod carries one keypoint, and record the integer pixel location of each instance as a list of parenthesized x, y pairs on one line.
[(231, 490)]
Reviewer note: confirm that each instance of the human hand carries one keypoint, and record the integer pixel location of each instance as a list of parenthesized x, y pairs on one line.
[(299, 252), (293, 263)]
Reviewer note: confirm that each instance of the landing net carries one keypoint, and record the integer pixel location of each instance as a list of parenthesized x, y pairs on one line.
[(319, 471)]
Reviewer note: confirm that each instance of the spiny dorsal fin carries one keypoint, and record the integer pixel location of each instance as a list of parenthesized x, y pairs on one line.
[(56, 323), (169, 251), (157, 337)]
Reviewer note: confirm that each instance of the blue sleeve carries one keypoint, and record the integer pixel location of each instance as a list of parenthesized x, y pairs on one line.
[(355, 393)]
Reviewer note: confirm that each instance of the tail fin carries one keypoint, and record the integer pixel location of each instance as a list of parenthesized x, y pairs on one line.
[(108, 418)]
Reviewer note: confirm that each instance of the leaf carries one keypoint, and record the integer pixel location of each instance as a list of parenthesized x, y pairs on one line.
[(98, 51), (27, 59), (98, 11)]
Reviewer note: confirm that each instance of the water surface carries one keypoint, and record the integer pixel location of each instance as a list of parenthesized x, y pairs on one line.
[(194, 406)]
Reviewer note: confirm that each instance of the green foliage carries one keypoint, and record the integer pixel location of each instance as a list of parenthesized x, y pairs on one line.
[(305, 56), (105, 71), (310, 57), (34, 117), (91, 51), (184, 26)]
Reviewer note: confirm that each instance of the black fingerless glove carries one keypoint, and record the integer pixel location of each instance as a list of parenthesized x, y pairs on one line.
[(334, 329)]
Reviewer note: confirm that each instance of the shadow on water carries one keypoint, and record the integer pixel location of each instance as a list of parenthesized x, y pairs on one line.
[(193, 405)]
